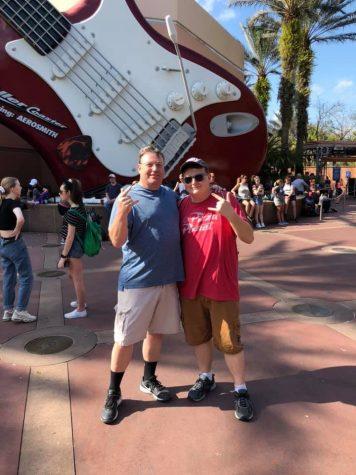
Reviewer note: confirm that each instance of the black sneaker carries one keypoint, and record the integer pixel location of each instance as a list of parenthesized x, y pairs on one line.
[(110, 411), (243, 406), (201, 388), (154, 387)]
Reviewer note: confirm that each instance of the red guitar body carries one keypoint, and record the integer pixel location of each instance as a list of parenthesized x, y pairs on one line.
[(228, 157)]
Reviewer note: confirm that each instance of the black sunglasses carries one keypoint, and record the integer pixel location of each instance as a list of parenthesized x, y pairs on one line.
[(199, 177)]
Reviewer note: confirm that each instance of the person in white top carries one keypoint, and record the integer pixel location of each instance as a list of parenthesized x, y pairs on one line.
[(278, 200), (289, 197), (300, 185), (258, 192), (242, 192)]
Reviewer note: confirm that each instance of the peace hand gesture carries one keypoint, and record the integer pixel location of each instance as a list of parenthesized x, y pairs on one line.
[(224, 207), (125, 202)]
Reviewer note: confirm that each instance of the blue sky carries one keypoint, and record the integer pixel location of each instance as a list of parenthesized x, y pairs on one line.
[(334, 77)]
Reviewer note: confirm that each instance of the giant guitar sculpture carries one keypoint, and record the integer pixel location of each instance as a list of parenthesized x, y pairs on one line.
[(89, 94)]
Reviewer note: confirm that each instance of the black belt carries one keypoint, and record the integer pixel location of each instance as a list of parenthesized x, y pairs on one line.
[(9, 240)]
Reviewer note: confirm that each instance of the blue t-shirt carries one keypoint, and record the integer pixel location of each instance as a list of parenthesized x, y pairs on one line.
[(152, 253)]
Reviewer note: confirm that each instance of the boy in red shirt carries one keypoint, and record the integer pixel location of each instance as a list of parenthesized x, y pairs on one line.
[(209, 224)]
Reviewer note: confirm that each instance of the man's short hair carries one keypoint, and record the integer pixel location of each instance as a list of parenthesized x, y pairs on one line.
[(150, 149)]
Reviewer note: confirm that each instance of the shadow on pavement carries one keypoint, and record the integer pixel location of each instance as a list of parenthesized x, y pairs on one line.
[(326, 385)]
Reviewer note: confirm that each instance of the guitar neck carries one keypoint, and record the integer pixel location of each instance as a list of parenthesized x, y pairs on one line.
[(37, 21)]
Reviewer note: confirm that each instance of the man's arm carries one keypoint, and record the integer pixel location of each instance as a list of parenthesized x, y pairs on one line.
[(118, 229), (241, 228)]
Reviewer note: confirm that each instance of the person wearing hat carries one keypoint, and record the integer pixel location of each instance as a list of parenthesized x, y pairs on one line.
[(112, 191), (33, 191), (209, 225)]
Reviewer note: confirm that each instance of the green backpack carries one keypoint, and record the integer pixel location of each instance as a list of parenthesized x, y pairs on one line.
[(91, 243)]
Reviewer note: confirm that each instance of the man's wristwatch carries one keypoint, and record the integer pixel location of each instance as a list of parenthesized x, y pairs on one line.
[(63, 257)]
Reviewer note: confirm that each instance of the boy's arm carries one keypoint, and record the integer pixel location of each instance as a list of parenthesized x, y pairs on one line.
[(241, 228)]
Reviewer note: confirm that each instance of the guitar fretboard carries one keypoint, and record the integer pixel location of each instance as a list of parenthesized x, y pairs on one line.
[(37, 21)]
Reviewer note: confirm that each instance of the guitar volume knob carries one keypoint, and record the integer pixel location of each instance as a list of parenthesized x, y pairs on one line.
[(199, 91), (175, 101), (224, 90)]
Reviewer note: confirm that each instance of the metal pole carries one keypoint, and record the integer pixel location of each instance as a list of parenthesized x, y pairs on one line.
[(172, 32)]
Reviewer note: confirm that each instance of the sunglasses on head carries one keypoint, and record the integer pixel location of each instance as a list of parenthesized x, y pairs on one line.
[(199, 177)]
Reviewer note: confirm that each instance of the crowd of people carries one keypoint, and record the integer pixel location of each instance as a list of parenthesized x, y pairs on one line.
[(251, 193), (313, 192), (179, 263)]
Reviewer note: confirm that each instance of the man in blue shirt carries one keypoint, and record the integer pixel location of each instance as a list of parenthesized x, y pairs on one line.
[(145, 223), (112, 191)]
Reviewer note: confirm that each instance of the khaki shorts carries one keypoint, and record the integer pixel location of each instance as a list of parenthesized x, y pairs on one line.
[(152, 310), (204, 319)]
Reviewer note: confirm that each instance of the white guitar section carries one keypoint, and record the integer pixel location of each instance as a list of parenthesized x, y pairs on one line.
[(139, 100)]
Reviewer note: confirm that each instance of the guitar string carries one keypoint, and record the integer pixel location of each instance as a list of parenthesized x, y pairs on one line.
[(138, 136), (111, 66), (107, 71), (85, 93)]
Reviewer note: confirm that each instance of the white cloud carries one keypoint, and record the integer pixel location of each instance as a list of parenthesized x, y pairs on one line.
[(343, 84), (227, 14), (208, 5), (317, 89)]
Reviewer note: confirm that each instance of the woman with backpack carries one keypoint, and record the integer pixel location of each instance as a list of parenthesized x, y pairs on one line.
[(73, 233)]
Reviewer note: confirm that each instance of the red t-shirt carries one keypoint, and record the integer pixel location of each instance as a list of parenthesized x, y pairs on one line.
[(209, 251)]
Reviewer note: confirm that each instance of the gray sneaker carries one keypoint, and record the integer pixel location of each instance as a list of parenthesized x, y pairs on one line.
[(22, 316), (7, 315), (201, 389), (243, 406), (110, 411), (156, 389)]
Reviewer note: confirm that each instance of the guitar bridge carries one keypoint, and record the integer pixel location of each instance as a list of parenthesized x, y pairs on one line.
[(174, 141)]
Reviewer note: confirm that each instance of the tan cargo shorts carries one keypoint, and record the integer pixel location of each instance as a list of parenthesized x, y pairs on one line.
[(151, 309), (205, 319)]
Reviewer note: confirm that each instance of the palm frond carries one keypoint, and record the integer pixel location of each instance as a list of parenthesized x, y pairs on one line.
[(242, 3), (337, 38), (265, 18), (261, 52)]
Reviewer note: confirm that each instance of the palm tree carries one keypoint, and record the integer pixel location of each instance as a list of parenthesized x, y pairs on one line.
[(321, 25), (262, 59), (289, 13)]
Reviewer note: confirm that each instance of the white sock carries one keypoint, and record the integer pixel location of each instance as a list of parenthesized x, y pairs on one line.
[(206, 376), (240, 387)]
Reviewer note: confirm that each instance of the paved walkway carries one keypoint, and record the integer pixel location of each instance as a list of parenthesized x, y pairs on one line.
[(298, 306)]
